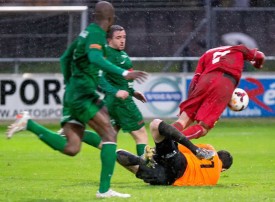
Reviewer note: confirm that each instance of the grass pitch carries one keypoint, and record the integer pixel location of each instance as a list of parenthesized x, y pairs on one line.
[(30, 171)]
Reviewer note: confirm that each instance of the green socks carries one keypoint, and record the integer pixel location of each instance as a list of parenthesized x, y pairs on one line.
[(108, 159), (52, 139), (91, 138), (140, 149)]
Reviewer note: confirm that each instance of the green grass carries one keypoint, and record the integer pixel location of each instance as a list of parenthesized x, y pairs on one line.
[(30, 171)]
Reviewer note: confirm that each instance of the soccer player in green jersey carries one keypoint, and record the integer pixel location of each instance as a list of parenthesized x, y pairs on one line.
[(124, 113), (81, 65)]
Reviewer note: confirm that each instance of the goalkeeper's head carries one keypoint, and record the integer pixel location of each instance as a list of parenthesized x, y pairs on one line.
[(226, 159)]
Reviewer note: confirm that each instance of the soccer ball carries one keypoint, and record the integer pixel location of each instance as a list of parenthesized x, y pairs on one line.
[(239, 100)]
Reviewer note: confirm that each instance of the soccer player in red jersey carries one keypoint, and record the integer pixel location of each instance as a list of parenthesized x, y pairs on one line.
[(217, 74)]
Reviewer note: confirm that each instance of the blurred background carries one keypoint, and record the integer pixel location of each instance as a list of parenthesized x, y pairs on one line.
[(32, 41)]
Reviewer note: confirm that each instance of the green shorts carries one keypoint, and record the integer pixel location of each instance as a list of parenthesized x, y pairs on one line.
[(80, 107), (124, 113)]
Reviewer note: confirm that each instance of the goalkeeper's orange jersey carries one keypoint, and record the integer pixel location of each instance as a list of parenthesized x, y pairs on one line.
[(199, 172)]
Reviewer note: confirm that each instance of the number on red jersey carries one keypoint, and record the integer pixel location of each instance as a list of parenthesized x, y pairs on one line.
[(217, 56)]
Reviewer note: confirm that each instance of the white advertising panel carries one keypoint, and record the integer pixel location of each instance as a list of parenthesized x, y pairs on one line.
[(163, 92), (40, 94)]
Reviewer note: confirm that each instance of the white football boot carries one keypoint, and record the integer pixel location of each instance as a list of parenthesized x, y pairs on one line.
[(110, 193), (19, 124)]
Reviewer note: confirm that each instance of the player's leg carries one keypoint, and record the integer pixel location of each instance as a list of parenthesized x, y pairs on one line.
[(72, 129), (204, 105), (160, 130), (195, 131), (101, 124), (141, 138), (128, 160), (52, 139), (74, 133), (92, 138), (75, 129), (182, 122), (168, 164), (130, 119), (213, 105), (89, 137), (135, 164), (91, 110), (188, 111)]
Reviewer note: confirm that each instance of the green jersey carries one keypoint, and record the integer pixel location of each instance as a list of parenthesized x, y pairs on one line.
[(124, 113), (81, 64), (88, 58), (121, 59)]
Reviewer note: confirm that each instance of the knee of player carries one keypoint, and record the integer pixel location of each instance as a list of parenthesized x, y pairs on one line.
[(205, 128), (72, 151), (155, 124), (109, 137), (141, 138)]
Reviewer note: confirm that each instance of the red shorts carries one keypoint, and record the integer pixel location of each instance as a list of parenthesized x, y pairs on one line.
[(209, 98)]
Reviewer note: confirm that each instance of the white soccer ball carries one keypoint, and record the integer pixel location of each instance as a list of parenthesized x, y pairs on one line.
[(239, 100)]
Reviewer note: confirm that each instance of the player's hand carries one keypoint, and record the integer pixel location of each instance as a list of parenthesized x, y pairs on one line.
[(138, 95), (122, 94), (259, 60), (139, 76)]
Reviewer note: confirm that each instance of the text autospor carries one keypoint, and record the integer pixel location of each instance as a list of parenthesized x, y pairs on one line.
[(30, 90)]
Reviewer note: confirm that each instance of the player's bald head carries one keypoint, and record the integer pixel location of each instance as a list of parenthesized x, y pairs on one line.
[(104, 10)]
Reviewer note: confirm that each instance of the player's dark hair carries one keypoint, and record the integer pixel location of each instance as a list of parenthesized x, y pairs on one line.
[(113, 29), (226, 159)]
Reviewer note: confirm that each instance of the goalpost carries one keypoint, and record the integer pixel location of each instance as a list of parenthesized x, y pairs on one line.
[(82, 9), (38, 33)]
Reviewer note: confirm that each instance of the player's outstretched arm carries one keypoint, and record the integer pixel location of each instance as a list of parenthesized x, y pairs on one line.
[(139, 76), (96, 57), (259, 60)]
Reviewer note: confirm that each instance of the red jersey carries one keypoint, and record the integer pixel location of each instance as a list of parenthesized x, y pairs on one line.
[(227, 59)]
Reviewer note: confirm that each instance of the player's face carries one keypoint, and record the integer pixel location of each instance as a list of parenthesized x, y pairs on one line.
[(118, 40)]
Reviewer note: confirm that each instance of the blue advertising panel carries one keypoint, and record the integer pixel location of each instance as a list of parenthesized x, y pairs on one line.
[(261, 92)]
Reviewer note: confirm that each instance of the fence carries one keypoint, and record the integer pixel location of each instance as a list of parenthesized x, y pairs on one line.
[(157, 39), (149, 64)]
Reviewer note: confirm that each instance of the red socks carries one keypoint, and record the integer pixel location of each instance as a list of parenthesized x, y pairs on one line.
[(178, 126), (192, 132)]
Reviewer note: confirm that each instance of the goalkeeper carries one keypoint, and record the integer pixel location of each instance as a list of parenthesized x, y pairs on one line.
[(185, 164)]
